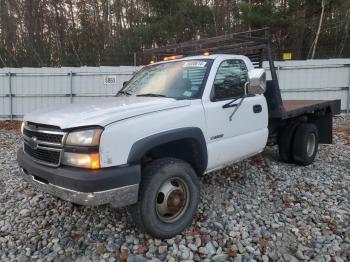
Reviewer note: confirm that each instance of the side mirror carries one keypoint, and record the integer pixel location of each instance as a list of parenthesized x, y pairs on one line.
[(125, 83), (256, 82)]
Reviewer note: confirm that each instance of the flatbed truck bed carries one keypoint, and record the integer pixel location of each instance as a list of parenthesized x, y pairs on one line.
[(293, 108)]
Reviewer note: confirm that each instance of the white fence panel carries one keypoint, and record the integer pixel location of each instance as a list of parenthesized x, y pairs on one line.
[(4, 91), (25, 89)]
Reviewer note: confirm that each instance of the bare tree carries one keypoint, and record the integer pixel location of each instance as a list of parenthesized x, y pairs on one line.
[(315, 42), (108, 32), (346, 34)]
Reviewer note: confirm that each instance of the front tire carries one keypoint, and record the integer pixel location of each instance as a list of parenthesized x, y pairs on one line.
[(168, 198)]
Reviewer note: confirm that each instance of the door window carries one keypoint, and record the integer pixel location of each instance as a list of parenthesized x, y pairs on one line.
[(230, 80)]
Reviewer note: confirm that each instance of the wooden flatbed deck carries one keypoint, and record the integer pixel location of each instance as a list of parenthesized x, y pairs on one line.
[(294, 108)]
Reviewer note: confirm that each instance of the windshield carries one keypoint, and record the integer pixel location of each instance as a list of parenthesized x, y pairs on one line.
[(178, 79)]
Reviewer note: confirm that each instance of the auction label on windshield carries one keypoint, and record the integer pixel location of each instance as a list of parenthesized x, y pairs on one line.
[(194, 64)]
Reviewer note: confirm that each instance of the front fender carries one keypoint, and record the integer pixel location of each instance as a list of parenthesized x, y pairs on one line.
[(142, 146), (127, 140)]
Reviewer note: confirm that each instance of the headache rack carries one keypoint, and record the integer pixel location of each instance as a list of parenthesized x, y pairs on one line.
[(250, 43), (255, 44)]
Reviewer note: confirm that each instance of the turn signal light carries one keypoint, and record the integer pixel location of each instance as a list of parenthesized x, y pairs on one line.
[(95, 161)]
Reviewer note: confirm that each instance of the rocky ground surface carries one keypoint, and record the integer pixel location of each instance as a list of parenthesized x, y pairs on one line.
[(258, 210)]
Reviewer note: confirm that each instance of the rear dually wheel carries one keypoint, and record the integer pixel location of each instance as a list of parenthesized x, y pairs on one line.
[(305, 144)]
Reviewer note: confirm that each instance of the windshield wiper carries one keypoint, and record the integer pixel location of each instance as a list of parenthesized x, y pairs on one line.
[(121, 92), (152, 95)]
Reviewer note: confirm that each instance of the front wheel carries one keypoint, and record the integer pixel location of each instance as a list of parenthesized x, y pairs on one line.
[(168, 198)]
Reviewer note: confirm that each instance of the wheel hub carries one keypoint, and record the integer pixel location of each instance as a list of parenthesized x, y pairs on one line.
[(176, 200), (172, 200), (311, 144)]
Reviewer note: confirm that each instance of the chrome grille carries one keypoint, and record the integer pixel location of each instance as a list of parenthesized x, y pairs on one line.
[(44, 137), (44, 155), (43, 144)]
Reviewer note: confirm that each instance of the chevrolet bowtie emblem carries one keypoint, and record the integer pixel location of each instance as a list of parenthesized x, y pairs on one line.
[(33, 142)]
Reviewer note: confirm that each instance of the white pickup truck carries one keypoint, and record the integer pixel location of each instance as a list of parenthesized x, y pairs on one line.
[(171, 123)]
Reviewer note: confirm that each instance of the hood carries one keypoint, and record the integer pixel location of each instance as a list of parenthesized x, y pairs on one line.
[(101, 112)]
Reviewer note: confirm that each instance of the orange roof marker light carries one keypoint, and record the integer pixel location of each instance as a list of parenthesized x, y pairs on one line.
[(174, 57), (206, 53)]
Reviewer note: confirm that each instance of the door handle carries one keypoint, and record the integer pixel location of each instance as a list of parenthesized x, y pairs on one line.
[(257, 109)]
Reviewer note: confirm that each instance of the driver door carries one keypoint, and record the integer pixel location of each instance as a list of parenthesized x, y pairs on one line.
[(246, 133)]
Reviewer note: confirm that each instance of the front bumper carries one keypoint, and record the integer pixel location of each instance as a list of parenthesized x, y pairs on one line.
[(117, 186)]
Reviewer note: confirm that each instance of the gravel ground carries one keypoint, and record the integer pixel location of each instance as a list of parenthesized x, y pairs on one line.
[(258, 210)]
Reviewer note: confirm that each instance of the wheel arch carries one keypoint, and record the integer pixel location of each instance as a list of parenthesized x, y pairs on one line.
[(190, 137)]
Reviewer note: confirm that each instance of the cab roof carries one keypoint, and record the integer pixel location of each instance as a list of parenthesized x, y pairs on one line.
[(200, 57)]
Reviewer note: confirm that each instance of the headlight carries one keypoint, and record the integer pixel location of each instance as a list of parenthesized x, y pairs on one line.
[(89, 137), (91, 161), (22, 126), (81, 138)]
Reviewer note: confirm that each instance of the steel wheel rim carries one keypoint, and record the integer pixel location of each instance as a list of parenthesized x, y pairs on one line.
[(172, 200), (311, 144)]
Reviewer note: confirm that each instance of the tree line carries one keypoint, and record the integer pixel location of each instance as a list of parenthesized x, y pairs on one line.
[(114, 32)]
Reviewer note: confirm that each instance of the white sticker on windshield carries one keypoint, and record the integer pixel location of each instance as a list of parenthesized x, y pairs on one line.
[(187, 93), (195, 64)]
